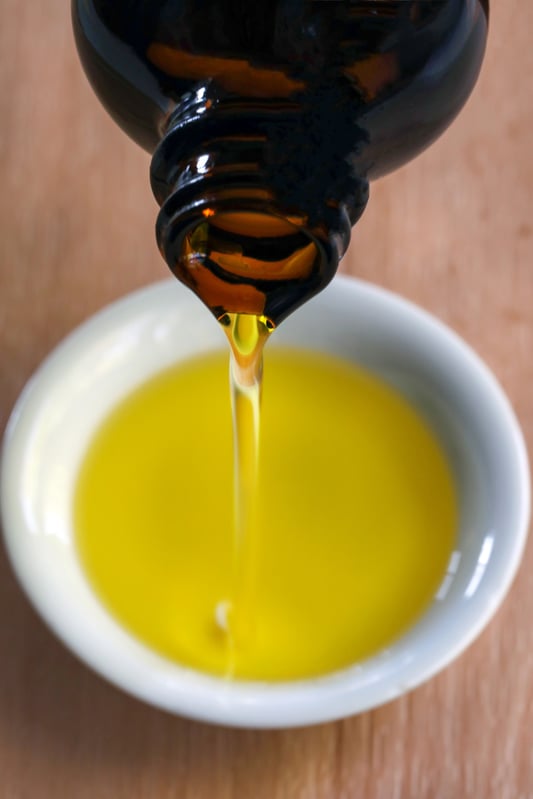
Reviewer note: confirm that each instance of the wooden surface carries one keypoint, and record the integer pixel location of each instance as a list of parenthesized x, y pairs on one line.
[(452, 231)]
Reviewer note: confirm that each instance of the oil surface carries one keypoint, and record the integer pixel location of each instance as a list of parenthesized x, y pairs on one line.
[(356, 517)]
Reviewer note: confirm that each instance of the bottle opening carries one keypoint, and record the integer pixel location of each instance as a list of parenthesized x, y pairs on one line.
[(239, 261)]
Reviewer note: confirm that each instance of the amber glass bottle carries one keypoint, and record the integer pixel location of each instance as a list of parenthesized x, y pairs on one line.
[(267, 119)]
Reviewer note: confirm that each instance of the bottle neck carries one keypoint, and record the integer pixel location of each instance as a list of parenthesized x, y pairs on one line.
[(252, 218)]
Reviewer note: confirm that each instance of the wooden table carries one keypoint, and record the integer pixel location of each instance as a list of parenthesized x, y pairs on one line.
[(452, 231)]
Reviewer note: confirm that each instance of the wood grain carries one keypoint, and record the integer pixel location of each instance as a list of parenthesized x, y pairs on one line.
[(452, 231)]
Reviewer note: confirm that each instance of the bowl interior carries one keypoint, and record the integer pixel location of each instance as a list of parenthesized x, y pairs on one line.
[(125, 344)]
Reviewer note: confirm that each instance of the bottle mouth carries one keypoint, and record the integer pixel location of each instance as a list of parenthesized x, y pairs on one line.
[(247, 260), (239, 224)]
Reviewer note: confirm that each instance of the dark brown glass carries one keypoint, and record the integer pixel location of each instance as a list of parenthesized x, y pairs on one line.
[(267, 120)]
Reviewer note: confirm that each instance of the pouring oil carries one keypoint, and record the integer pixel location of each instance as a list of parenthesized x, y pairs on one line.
[(354, 523), (247, 335)]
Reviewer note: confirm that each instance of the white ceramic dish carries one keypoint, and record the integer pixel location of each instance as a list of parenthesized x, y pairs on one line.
[(136, 337)]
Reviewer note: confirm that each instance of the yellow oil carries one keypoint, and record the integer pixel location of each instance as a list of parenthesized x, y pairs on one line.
[(247, 335), (355, 519)]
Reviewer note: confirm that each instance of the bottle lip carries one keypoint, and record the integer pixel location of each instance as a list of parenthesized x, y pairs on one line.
[(217, 157), (196, 202), (180, 216)]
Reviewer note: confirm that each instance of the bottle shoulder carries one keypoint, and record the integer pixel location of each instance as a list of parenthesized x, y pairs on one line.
[(392, 75)]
